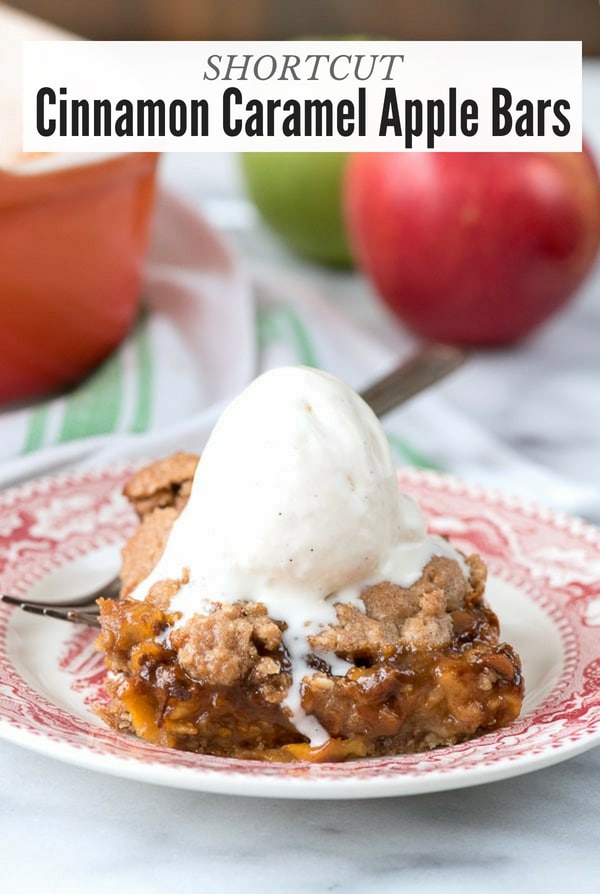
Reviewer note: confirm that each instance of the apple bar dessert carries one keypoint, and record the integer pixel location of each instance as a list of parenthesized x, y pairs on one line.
[(283, 601)]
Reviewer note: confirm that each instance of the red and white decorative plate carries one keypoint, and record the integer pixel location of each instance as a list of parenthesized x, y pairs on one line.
[(61, 535)]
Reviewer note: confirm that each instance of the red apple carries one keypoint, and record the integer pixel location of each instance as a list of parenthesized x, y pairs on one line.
[(474, 248)]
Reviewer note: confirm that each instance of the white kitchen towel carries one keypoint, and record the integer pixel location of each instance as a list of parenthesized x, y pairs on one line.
[(210, 324)]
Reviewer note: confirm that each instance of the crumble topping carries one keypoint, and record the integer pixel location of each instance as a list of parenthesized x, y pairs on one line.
[(227, 646), (143, 550), (167, 482)]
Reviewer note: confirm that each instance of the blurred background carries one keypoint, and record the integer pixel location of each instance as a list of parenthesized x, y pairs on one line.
[(280, 19), (255, 269)]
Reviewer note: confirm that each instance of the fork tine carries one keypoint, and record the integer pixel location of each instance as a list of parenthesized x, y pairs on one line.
[(109, 591), (77, 617), (13, 600)]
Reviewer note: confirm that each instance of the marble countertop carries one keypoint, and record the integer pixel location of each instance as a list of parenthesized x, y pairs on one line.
[(71, 830)]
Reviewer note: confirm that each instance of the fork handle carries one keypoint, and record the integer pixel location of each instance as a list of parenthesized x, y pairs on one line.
[(431, 363)]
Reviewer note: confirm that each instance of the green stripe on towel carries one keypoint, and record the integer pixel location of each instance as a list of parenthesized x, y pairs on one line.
[(36, 429), (93, 409), (408, 454), (283, 324), (141, 419), (303, 340)]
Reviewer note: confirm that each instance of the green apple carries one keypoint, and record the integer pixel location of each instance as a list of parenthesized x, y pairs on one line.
[(299, 195)]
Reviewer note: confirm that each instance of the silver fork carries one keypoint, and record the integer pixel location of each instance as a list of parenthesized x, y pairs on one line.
[(427, 366), (81, 610)]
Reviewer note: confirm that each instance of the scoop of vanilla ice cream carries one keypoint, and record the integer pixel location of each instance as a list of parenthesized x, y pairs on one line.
[(295, 494)]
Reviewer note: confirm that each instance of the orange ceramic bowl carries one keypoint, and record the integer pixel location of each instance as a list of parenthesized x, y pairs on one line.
[(73, 235)]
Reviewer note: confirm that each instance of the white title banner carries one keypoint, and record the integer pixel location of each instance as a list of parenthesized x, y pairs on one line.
[(302, 96)]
